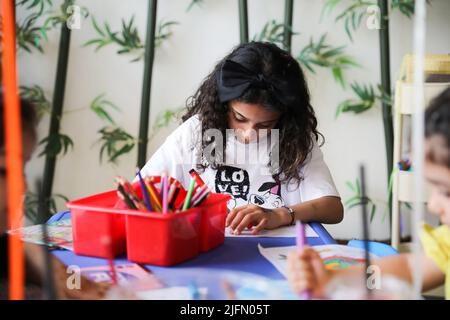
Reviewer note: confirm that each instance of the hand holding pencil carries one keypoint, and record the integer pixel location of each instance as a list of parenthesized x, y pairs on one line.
[(307, 273)]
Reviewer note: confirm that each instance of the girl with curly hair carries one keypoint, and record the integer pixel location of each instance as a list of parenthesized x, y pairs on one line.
[(251, 132)]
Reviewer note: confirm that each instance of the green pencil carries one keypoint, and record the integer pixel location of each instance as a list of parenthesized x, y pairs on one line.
[(187, 200)]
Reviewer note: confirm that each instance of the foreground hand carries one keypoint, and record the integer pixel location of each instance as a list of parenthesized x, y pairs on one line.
[(251, 215), (36, 271), (88, 290), (306, 271)]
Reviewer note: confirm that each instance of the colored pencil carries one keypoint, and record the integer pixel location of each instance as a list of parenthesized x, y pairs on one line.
[(194, 291), (194, 174), (110, 249), (144, 190), (201, 199), (301, 242), (124, 196), (129, 191), (174, 197), (187, 200), (199, 192), (13, 157), (365, 227), (49, 287), (112, 270), (172, 187), (140, 205), (164, 187), (153, 193)]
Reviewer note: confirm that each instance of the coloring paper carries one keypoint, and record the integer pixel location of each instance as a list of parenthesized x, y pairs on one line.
[(126, 273), (59, 234), (335, 256)]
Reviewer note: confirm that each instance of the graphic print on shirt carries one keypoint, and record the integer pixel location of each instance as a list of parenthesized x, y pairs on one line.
[(271, 198), (234, 181)]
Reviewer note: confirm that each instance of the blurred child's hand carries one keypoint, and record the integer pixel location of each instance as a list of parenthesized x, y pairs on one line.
[(88, 290), (306, 271), (259, 218), (36, 273)]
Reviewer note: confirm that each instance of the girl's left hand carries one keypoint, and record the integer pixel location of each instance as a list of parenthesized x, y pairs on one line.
[(251, 215)]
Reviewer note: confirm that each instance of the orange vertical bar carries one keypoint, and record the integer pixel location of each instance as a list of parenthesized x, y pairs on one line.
[(13, 147)]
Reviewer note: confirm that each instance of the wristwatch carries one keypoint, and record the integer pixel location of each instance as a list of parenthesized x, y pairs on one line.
[(292, 213)]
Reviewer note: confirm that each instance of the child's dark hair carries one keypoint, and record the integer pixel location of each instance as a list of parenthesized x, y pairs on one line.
[(437, 125), (27, 115), (297, 124)]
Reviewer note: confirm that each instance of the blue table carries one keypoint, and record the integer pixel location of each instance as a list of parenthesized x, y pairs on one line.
[(236, 254), (239, 254)]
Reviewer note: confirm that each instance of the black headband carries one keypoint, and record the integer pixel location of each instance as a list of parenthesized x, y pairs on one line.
[(234, 79)]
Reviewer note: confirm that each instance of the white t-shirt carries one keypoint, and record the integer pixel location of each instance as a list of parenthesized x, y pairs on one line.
[(245, 175)]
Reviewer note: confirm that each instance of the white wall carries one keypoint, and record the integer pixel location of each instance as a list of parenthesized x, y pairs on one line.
[(203, 37)]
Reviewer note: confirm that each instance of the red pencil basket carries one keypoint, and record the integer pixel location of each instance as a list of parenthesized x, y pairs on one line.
[(98, 226), (147, 237), (213, 216), (163, 239), (214, 213)]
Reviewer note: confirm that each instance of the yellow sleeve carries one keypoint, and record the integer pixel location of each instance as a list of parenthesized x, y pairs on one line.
[(436, 243)]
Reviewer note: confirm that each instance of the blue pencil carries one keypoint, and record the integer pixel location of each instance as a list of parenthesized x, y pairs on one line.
[(144, 191)]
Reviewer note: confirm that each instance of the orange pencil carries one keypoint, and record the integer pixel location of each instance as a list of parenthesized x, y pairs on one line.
[(154, 196)]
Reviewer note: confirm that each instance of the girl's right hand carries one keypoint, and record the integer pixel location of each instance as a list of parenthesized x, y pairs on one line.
[(306, 271)]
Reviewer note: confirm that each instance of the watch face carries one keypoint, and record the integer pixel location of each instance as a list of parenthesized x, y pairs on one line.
[(289, 209), (291, 212)]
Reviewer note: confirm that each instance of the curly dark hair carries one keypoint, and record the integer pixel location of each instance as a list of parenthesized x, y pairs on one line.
[(297, 124), (437, 124)]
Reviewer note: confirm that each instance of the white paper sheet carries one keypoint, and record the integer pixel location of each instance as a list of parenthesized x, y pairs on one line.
[(334, 255), (278, 232)]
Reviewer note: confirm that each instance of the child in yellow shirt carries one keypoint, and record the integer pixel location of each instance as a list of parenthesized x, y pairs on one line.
[(306, 269)]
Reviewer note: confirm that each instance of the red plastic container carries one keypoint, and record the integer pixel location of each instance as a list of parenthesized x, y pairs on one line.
[(94, 220), (147, 237), (163, 239), (214, 213)]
